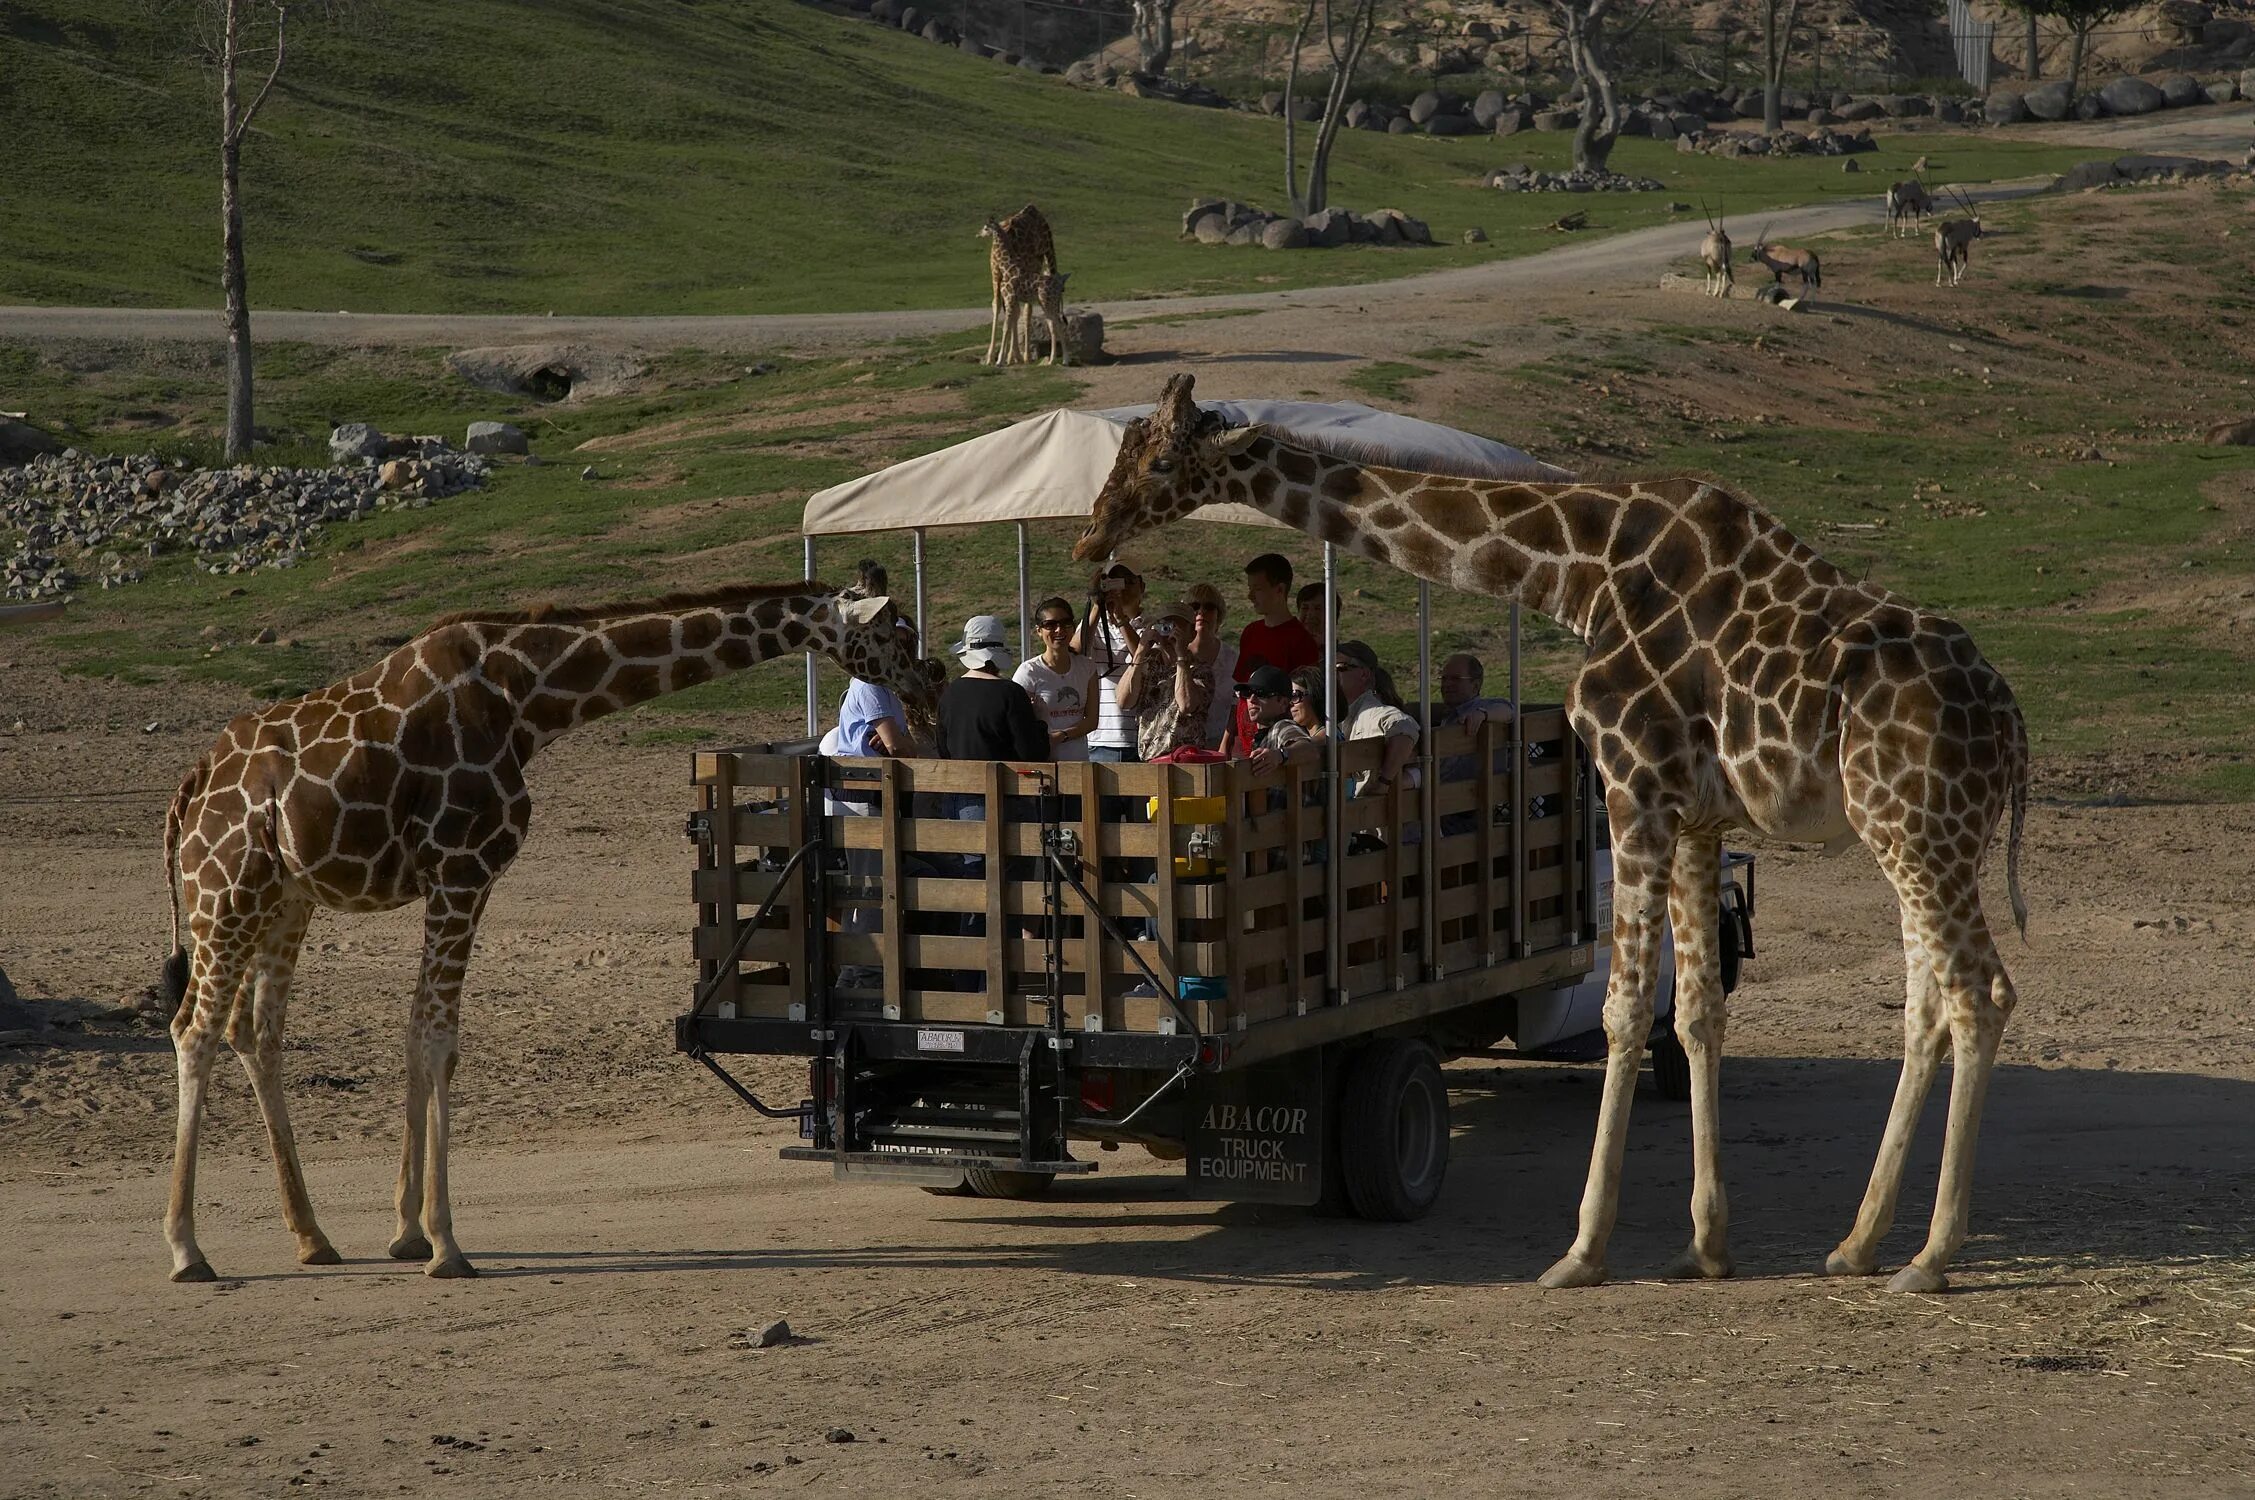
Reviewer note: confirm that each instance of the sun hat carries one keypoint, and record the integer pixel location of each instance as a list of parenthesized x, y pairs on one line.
[(984, 647)]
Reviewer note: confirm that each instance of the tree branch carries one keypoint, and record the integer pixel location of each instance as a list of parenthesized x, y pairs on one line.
[(243, 125)]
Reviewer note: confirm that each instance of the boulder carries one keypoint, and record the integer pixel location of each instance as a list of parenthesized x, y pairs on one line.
[(976, 49), (354, 442), (1247, 233), (2049, 101), (2179, 91), (2222, 92), (1906, 106), (1307, 109), (1749, 106), (2128, 96), (1284, 234), (2084, 175), (1949, 111), (1557, 119), (495, 437), (1823, 117), (1636, 123), (1399, 125), (1213, 229), (887, 11), (1512, 119), (1199, 208), (2090, 107), (1861, 109), (2004, 108), (1686, 124), (2247, 83), (1486, 108), (2223, 31), (1329, 227), (1475, 236), (1449, 125), (909, 18), (21, 442), (1272, 103), (1851, 165), (1358, 114), (398, 474), (1424, 107), (937, 30)]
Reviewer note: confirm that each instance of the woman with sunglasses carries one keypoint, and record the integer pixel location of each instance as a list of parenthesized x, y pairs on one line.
[(1060, 681)]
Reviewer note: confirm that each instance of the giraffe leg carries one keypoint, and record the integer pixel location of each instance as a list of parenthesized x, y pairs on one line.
[(218, 951), (1643, 851), (1980, 998), (255, 1032), (1924, 1031), (994, 325), (450, 926), (408, 1243), (1700, 1014)]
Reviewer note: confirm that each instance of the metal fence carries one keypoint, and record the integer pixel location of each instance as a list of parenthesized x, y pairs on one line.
[(1972, 40)]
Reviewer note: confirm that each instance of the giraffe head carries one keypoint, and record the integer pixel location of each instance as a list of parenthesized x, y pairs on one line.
[(877, 645), (1170, 463)]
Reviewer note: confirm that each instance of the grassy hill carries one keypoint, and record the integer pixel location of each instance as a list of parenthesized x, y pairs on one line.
[(703, 156)]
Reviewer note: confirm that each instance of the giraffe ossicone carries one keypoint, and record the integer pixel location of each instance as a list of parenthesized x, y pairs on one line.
[(1733, 679), (405, 782)]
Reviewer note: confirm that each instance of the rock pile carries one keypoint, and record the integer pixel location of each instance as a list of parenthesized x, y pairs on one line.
[(2124, 170), (81, 520), (1521, 178), (2122, 96), (1220, 221), (1824, 141)]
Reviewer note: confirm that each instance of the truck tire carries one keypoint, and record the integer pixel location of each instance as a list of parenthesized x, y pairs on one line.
[(1671, 1065), (1393, 1130), (961, 1188), (994, 1182)]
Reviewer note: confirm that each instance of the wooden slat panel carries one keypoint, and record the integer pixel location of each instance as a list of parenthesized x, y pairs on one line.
[(768, 830), (952, 836), (891, 937), (996, 922), (799, 827)]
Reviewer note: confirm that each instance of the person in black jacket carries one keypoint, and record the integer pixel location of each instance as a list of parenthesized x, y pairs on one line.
[(983, 714)]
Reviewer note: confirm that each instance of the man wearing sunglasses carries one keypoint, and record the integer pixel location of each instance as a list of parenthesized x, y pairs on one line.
[(1276, 739)]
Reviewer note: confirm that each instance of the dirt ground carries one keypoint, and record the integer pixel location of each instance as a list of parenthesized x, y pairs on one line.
[(632, 1220)]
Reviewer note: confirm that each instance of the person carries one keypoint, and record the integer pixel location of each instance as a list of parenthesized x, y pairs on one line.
[(869, 577), (1110, 633), (1169, 687), (1061, 683), (1307, 701), (1374, 712), (1277, 736), (1209, 644), (1310, 605), (1275, 637), (1462, 707), (871, 721), (983, 714)]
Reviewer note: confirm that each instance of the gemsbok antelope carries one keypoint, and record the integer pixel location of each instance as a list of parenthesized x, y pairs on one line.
[(1780, 259), (1714, 253), (1953, 243), (1908, 204)]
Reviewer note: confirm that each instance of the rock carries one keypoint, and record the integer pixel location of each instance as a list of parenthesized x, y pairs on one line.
[(1512, 119), (1686, 124), (2084, 175), (838, 1435), (1329, 228), (1213, 229), (2004, 108), (1445, 125), (397, 474), (356, 441), (266, 636), (1905, 106), (1557, 119), (910, 19), (588, 472), (777, 1332), (2240, 434), (2089, 107), (2223, 91), (1199, 208), (1949, 111), (1272, 103), (1399, 125), (495, 437), (2179, 91), (1247, 233), (1851, 165), (1475, 236), (1284, 234), (1424, 107), (1486, 107), (1862, 109), (2222, 31), (2128, 96), (2049, 101), (2247, 83)]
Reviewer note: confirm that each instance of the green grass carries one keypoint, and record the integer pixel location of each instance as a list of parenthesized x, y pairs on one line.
[(711, 156)]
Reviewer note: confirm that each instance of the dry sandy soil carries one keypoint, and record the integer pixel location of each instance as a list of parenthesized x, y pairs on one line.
[(632, 1220)]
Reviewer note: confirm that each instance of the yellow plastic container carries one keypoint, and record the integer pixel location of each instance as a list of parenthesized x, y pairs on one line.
[(1209, 811)]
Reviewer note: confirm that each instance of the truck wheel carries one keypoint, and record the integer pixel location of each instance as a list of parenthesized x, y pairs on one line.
[(1671, 1065), (1730, 955), (993, 1182), (960, 1188), (1394, 1131)]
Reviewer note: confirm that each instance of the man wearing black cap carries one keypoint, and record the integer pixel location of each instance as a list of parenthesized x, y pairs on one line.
[(1276, 739)]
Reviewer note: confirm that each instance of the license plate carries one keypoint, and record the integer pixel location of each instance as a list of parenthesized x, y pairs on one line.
[(806, 1122), (939, 1041)]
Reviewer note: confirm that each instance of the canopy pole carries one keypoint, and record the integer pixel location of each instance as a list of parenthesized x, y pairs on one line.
[(813, 669), (1026, 648), (1515, 668), (922, 630), (1334, 799), (1428, 784)]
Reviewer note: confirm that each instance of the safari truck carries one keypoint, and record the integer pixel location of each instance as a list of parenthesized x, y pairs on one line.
[(987, 963)]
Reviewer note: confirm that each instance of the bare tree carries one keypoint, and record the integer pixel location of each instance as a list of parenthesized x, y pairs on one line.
[(239, 40), (1347, 25), (1778, 17), (1589, 40), (2081, 18), (1154, 34)]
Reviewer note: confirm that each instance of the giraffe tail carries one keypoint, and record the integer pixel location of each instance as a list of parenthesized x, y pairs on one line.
[(172, 989)]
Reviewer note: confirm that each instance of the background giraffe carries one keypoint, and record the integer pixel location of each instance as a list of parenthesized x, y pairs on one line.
[(1021, 251), (406, 782), (1734, 679)]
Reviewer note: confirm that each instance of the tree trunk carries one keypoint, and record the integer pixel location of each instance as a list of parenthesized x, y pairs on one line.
[(1601, 116), (1360, 22), (233, 283), (1154, 34), (2035, 55), (2075, 61), (1773, 67), (1291, 141)]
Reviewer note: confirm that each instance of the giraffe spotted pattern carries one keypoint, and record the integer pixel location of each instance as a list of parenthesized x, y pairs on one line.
[(1733, 679), (405, 782)]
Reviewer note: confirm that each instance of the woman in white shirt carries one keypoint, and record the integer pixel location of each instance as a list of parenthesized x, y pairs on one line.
[(1061, 683), (1110, 636)]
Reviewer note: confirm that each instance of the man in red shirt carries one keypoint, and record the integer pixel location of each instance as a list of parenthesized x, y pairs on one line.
[(1275, 638)]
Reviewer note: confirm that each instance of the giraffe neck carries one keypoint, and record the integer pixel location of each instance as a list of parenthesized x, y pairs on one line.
[(1544, 545), (560, 676)]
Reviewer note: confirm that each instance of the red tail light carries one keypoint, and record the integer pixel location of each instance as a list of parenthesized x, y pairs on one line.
[(1099, 1092)]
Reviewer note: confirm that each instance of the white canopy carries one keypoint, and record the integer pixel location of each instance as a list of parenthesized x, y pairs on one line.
[(1050, 468)]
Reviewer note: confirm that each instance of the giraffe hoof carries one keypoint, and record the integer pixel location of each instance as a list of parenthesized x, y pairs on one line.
[(196, 1271), (452, 1268), (409, 1247), (1572, 1270), (1692, 1266), (1916, 1278), (320, 1253), (1841, 1263)]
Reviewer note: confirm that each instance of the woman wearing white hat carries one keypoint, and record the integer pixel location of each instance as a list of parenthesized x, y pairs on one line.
[(983, 714)]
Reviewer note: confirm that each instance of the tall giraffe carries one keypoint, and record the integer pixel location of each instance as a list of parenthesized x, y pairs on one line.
[(1021, 252), (405, 782), (1734, 679)]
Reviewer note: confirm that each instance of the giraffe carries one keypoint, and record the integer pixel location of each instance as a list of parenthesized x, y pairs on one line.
[(406, 782), (1048, 298), (1733, 679), (1021, 250)]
